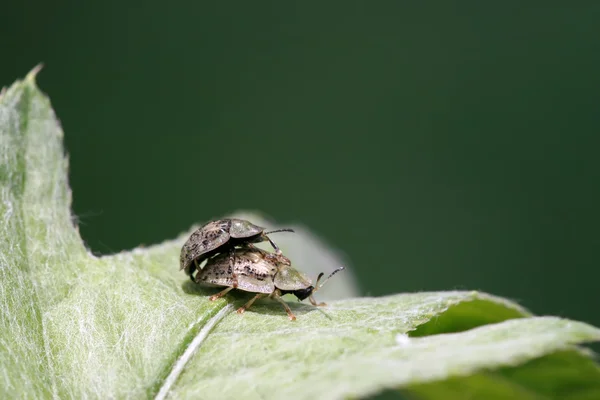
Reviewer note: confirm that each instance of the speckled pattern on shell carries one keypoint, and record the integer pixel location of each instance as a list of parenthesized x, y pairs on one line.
[(213, 235), (204, 239), (254, 272)]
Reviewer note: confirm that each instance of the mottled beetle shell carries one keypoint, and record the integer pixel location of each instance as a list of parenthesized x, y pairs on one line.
[(212, 236), (254, 271), (260, 272)]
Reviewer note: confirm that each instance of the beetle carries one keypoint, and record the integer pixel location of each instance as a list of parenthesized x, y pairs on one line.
[(220, 236), (261, 273)]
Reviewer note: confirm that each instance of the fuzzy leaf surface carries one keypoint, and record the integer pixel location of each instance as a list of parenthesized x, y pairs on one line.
[(131, 325)]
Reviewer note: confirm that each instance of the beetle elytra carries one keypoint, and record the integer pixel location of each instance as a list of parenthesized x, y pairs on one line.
[(221, 236), (260, 272)]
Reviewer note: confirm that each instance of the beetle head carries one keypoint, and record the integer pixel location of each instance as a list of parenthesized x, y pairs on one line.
[(302, 294)]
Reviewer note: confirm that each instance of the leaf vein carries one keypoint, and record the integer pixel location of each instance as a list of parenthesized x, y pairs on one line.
[(189, 352)]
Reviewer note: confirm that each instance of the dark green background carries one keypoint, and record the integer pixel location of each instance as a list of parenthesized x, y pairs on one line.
[(437, 146)]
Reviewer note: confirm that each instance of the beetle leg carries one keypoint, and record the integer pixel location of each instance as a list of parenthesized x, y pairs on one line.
[(278, 257), (248, 304), (277, 250), (192, 270), (314, 302), (220, 294), (232, 267), (276, 295)]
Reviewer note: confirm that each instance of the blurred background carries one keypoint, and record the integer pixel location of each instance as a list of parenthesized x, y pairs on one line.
[(437, 146)]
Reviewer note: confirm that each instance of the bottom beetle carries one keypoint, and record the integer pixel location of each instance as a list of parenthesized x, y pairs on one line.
[(258, 271)]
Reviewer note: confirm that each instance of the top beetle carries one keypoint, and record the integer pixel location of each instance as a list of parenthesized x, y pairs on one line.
[(219, 236)]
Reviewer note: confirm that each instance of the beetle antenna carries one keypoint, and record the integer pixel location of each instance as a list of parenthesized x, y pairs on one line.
[(317, 286), (273, 243), (280, 230)]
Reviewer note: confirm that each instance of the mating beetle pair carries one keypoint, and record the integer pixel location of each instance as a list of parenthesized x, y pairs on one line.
[(234, 262)]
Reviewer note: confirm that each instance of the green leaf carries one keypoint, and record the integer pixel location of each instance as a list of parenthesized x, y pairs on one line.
[(131, 325), (564, 374)]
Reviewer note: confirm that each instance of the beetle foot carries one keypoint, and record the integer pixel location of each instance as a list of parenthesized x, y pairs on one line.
[(220, 294), (292, 317), (314, 302), (249, 303)]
